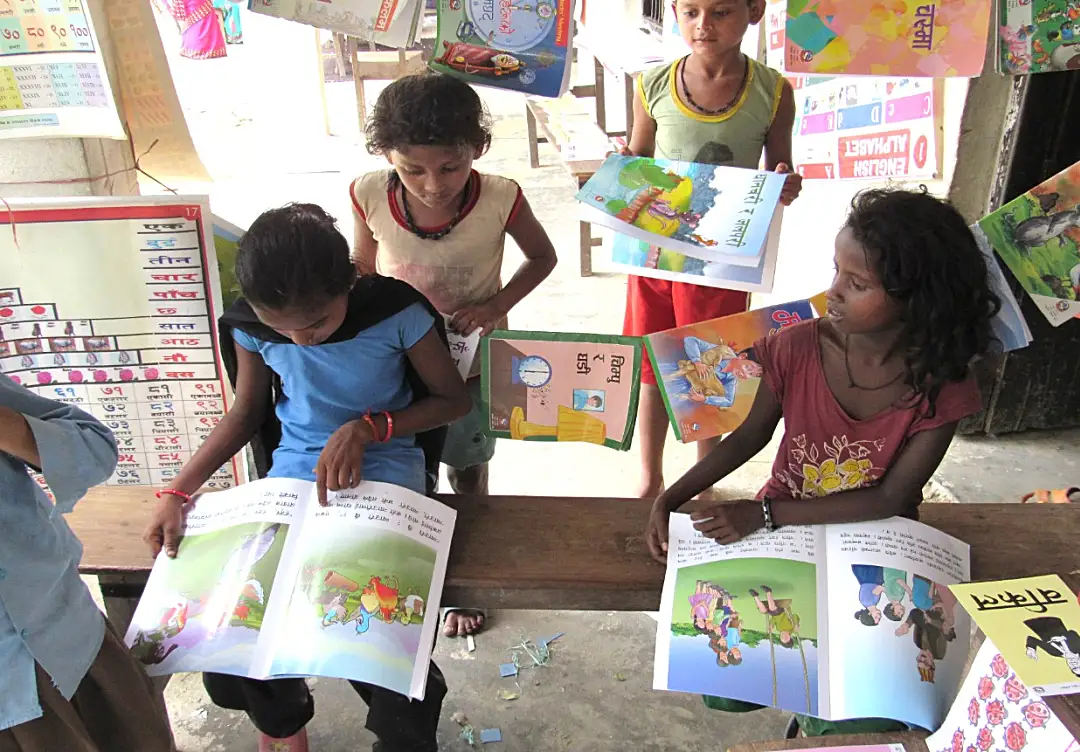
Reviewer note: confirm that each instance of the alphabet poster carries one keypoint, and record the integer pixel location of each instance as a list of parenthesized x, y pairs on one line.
[(111, 305), (52, 77)]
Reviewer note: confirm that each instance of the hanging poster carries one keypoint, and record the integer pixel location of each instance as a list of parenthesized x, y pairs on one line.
[(52, 77), (859, 128), (1036, 36), (392, 23), (111, 305)]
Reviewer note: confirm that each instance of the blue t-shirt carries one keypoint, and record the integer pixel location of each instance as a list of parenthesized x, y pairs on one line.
[(326, 386)]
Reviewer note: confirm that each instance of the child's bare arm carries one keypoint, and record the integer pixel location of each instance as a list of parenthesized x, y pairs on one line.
[(643, 137), (732, 453), (448, 398), (365, 248), (778, 144), (228, 437), (540, 260)]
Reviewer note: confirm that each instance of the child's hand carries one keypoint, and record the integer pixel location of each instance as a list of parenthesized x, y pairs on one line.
[(792, 186), (729, 522), (342, 458), (656, 532), (484, 317), (166, 526)]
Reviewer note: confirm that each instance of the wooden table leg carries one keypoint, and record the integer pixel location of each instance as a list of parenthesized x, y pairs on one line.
[(121, 594), (628, 93), (534, 144), (586, 241), (358, 81), (601, 103)]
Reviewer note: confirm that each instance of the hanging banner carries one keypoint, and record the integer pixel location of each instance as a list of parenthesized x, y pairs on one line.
[(52, 78)]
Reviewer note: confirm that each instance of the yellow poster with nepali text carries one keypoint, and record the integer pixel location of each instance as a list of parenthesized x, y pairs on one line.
[(1035, 623)]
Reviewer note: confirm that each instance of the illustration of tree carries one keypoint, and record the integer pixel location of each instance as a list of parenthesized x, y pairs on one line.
[(642, 173), (802, 653), (772, 659)]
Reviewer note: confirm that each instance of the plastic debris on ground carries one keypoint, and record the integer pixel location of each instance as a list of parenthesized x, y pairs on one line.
[(468, 734), (470, 641), (508, 669), (487, 736)]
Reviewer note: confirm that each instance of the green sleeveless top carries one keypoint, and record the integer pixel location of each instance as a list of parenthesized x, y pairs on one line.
[(735, 138)]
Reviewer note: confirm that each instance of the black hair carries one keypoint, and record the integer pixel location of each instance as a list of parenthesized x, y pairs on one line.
[(929, 262), (892, 611), (293, 256), (428, 109), (865, 617)]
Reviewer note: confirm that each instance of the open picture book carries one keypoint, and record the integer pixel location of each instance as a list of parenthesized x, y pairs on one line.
[(834, 621), (726, 216), (267, 583)]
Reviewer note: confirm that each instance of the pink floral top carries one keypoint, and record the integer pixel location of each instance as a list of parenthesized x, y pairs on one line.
[(824, 450)]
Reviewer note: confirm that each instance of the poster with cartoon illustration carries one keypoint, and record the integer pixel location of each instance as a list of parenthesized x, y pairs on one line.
[(525, 47), (1036, 36), (269, 583), (925, 38), (995, 711), (708, 373), (549, 386), (754, 621), (1037, 235), (1036, 623), (718, 214)]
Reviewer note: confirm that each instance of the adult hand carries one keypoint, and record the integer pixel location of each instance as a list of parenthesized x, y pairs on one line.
[(342, 458), (696, 395), (166, 526), (792, 185), (702, 369), (729, 522), (656, 532), (484, 317)]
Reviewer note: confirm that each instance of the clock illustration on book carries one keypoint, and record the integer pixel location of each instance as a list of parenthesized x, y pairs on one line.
[(532, 371)]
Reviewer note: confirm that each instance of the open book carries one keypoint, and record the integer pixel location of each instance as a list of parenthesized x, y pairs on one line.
[(267, 583), (836, 621)]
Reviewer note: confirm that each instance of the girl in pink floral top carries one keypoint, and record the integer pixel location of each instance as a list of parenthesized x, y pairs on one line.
[(870, 394)]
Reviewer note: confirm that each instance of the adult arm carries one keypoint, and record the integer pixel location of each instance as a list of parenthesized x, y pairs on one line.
[(73, 450)]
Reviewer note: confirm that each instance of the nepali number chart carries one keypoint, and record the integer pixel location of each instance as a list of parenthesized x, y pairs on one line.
[(52, 77), (111, 305)]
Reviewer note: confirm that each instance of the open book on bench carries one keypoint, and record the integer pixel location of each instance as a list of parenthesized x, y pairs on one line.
[(268, 583), (834, 621)]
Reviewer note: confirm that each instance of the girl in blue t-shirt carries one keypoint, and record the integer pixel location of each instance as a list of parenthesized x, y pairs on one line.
[(361, 373)]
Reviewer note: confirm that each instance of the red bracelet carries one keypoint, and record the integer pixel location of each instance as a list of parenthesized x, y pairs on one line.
[(374, 429), (173, 492), (389, 427)]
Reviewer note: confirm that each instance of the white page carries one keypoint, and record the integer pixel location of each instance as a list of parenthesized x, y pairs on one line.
[(463, 350), (994, 710), (330, 625), (688, 657), (879, 674), (202, 611)]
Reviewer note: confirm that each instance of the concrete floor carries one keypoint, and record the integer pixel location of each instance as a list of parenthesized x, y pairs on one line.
[(258, 124)]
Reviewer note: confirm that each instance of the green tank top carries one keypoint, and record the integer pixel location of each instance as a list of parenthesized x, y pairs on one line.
[(735, 138)]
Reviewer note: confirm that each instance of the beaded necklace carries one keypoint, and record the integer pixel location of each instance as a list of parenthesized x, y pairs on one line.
[(725, 108)]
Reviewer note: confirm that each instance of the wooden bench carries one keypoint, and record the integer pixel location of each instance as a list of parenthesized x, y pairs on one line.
[(566, 124)]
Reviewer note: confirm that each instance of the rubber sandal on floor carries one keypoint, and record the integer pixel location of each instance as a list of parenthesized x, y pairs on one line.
[(1042, 496)]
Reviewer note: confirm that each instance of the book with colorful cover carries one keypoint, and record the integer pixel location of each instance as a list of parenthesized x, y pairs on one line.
[(393, 23), (267, 583), (550, 386), (928, 38), (707, 372), (718, 214), (1036, 36), (835, 621), (995, 711), (1009, 325), (1035, 621), (1037, 235), (525, 47)]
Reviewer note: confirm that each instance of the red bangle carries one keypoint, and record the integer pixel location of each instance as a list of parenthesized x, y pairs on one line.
[(389, 427), (371, 424), (173, 492)]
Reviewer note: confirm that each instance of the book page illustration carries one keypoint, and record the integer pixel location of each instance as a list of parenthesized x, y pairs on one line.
[(1035, 36), (1036, 623), (740, 622)]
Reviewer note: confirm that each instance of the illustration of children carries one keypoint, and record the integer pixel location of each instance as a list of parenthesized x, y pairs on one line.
[(702, 605), (780, 617), (871, 581), (412, 609), (710, 373), (920, 592), (335, 612), (929, 637), (895, 592), (945, 603)]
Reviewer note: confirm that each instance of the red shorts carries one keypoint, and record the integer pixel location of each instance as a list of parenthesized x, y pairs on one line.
[(656, 305)]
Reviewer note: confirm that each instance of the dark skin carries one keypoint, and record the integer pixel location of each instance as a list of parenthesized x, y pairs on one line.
[(340, 465), (863, 314)]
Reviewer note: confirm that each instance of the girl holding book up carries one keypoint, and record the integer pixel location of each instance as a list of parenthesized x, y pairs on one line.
[(870, 394)]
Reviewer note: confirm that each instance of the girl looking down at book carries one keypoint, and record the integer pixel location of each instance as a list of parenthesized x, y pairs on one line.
[(870, 394), (356, 370), (438, 224)]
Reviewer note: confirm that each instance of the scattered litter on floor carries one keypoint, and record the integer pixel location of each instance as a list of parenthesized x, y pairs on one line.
[(508, 669), (487, 736), (544, 642), (508, 695), (468, 734), (619, 677), (471, 642)]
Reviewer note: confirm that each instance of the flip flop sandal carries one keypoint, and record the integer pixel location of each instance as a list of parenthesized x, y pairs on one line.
[(1042, 496)]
